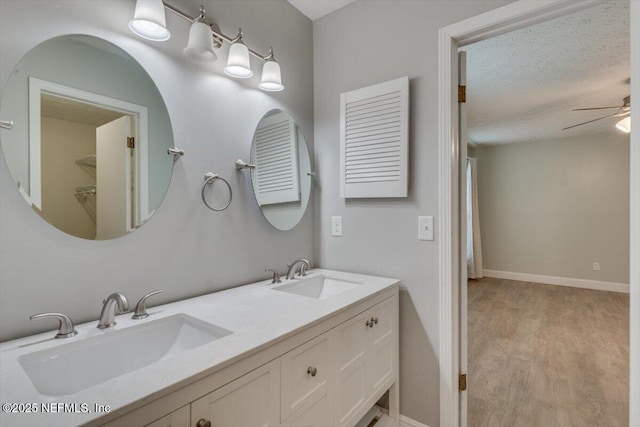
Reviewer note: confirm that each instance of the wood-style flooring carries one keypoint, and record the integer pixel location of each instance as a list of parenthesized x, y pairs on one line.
[(546, 356)]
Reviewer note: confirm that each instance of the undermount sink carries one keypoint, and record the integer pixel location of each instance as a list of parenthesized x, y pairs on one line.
[(319, 287), (73, 367)]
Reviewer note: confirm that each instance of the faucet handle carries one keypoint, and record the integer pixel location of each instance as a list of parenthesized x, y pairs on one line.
[(141, 307), (276, 275), (65, 326), (304, 267)]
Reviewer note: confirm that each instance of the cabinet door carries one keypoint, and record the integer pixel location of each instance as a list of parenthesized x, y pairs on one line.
[(179, 418), (305, 374), (317, 415), (349, 347), (252, 400), (381, 356)]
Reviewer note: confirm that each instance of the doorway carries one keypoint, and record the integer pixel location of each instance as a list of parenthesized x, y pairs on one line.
[(499, 21)]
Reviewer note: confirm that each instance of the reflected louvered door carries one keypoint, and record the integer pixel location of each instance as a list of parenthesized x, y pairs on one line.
[(374, 140), (275, 154)]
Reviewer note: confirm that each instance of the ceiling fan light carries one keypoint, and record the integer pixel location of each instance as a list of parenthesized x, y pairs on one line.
[(624, 125), (149, 21)]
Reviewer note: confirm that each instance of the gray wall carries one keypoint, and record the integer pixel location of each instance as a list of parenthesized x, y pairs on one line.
[(365, 43), (184, 249), (555, 207)]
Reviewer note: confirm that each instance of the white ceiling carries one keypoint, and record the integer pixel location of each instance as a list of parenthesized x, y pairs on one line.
[(522, 86), (315, 9)]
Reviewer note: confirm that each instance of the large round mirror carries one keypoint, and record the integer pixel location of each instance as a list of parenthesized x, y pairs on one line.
[(282, 174), (88, 148)]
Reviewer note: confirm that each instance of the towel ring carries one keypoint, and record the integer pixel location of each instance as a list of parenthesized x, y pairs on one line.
[(210, 178)]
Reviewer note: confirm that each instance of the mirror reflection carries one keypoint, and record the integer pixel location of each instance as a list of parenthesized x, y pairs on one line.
[(88, 150), (281, 177)]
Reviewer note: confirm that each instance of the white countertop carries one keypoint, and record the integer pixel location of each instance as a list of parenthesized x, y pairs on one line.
[(257, 315)]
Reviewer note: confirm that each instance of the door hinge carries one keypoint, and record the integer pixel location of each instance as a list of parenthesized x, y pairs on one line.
[(462, 93), (462, 382), (131, 142)]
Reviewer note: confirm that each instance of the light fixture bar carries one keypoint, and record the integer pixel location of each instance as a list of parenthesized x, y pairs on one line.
[(219, 34)]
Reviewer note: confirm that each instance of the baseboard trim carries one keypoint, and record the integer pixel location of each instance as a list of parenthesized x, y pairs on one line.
[(560, 281), (408, 422)]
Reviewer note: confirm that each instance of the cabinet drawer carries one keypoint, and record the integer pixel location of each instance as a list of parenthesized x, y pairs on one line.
[(305, 374)]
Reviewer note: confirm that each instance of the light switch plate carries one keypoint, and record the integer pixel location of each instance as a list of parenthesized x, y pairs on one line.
[(425, 228), (336, 226)]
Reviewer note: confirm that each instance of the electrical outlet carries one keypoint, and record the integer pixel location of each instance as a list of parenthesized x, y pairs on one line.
[(596, 266), (336, 226)]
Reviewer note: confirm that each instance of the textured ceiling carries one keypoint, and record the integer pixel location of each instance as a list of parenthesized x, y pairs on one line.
[(74, 111), (522, 86), (315, 9)]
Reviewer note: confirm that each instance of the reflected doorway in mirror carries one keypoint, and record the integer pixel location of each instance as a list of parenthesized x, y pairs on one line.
[(106, 138)]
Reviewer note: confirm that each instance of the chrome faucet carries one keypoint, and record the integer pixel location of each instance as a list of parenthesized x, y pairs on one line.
[(141, 307), (109, 310), (299, 266), (65, 325), (276, 276)]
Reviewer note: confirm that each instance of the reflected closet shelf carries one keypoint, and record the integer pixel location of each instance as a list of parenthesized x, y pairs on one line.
[(87, 161)]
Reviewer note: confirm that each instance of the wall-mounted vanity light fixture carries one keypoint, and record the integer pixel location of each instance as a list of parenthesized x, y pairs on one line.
[(149, 22)]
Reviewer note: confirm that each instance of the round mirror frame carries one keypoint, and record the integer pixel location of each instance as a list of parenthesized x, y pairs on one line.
[(285, 192), (58, 91)]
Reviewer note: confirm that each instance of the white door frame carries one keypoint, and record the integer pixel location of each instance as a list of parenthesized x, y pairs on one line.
[(499, 21), (141, 113)]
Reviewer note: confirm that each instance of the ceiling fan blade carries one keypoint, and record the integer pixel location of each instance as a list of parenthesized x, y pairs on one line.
[(594, 108), (590, 121)]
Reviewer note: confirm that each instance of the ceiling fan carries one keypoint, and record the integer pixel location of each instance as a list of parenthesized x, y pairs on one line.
[(624, 111)]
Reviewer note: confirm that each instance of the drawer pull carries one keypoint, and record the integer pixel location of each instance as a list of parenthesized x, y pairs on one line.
[(312, 371), (203, 423), (372, 321)]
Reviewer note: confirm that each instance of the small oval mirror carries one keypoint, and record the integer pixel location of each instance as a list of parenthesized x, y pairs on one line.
[(88, 149), (282, 174)]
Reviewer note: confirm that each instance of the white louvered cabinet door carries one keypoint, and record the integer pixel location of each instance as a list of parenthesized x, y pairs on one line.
[(275, 154), (374, 140)]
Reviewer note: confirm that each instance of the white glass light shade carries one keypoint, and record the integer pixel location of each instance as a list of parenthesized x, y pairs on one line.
[(271, 77), (200, 46), (624, 125), (149, 21), (238, 64)]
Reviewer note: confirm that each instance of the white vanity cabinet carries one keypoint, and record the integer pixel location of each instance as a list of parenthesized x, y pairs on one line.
[(367, 361), (330, 373)]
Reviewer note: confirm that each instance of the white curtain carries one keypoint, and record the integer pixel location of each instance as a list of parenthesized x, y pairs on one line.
[(474, 243)]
